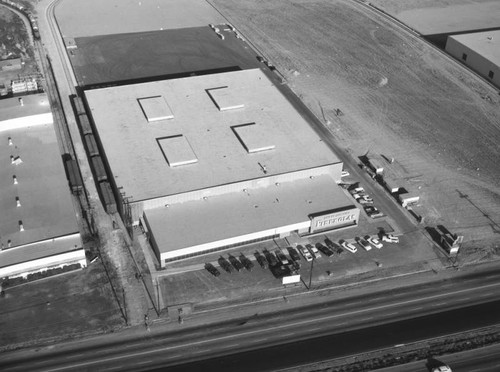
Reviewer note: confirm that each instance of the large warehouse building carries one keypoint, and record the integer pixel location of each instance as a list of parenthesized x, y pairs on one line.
[(38, 227), (215, 161), (480, 51)]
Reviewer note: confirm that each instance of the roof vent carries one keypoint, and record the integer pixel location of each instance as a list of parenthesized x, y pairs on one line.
[(15, 160)]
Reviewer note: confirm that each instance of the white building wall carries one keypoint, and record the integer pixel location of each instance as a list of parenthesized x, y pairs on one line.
[(23, 269), (234, 240), (473, 60), (26, 121), (334, 170)]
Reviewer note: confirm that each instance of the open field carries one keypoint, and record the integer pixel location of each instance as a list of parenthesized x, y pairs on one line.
[(146, 55), (59, 307), (95, 17), (400, 97), (430, 17)]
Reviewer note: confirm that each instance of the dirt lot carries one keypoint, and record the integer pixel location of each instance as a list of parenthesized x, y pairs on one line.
[(61, 307), (79, 18), (400, 97)]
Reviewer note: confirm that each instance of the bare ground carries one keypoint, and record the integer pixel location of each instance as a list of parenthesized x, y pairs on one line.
[(400, 97)]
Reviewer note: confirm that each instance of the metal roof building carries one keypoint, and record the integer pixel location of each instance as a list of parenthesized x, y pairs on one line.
[(38, 227), (480, 51), (216, 161)]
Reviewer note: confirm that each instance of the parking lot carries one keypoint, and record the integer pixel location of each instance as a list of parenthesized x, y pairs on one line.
[(239, 275)]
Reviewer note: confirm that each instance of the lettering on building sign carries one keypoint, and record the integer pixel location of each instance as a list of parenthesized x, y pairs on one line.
[(333, 219)]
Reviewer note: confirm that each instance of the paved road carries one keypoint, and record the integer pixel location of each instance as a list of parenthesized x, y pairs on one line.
[(262, 331), (486, 359)]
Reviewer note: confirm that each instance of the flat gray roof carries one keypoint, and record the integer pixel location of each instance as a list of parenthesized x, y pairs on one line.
[(442, 19), (46, 209), (136, 158), (78, 18), (486, 44), (33, 104), (192, 223)]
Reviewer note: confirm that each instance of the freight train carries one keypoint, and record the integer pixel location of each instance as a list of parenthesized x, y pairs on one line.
[(27, 14)]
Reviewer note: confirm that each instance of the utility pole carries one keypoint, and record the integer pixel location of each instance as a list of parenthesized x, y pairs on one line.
[(311, 273)]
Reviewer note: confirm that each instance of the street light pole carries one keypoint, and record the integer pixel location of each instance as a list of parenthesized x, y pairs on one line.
[(311, 273)]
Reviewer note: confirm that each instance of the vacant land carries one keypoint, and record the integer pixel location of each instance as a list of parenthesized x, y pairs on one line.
[(400, 97), (96, 17), (59, 307)]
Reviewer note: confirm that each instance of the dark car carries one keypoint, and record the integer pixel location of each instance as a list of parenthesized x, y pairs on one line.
[(279, 271), (261, 260), (293, 254), (236, 264), (324, 249), (226, 266), (334, 246), (282, 257), (246, 262), (212, 269), (271, 258)]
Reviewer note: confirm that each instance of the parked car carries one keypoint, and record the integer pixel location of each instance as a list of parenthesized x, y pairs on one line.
[(364, 244), (390, 238), (363, 200), (261, 260), (374, 241), (281, 257), (348, 246), (357, 190), (372, 211), (236, 264), (246, 262), (293, 253), (314, 251), (226, 266), (334, 247), (212, 269), (324, 249), (344, 173), (305, 252), (271, 258)]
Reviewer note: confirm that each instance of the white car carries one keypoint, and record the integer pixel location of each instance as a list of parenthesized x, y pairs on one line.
[(444, 368), (390, 238), (364, 244), (314, 251), (344, 173), (305, 253), (374, 241), (348, 246)]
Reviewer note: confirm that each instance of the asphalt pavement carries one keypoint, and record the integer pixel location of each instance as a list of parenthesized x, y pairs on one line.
[(348, 316)]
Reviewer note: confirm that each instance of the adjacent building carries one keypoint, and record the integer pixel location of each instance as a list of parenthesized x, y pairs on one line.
[(480, 51), (38, 226), (211, 162)]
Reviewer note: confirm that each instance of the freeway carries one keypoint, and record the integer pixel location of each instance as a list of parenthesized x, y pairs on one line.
[(485, 359), (349, 316)]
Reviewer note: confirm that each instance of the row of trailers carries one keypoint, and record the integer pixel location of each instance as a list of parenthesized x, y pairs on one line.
[(106, 192)]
